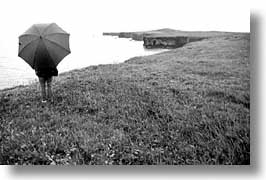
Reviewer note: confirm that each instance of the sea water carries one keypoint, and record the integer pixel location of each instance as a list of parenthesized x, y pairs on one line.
[(87, 50)]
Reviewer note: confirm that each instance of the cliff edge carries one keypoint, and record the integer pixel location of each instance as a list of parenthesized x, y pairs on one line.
[(168, 38)]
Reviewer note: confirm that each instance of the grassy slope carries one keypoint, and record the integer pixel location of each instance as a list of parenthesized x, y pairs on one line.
[(186, 106), (172, 32)]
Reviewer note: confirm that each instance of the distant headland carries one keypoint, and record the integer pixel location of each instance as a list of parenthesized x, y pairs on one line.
[(167, 38)]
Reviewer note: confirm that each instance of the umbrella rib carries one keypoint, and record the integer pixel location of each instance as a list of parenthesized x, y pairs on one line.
[(37, 29), (35, 55), (55, 33), (26, 46), (47, 28), (49, 54), (58, 45), (28, 35)]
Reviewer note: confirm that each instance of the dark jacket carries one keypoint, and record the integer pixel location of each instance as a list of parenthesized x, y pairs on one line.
[(46, 72), (44, 65)]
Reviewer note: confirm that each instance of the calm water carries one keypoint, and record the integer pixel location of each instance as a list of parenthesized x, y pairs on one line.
[(86, 51)]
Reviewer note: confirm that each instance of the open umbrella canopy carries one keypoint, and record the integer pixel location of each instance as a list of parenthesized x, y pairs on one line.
[(44, 45)]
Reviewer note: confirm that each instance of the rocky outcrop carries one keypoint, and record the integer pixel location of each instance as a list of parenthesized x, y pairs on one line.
[(138, 36), (167, 42), (125, 35), (133, 35), (167, 38), (164, 42)]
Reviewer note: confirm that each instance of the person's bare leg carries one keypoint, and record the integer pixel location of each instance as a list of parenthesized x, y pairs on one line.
[(49, 88), (43, 91)]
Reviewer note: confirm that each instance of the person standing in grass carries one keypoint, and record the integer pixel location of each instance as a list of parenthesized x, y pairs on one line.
[(43, 46), (45, 75), (45, 70)]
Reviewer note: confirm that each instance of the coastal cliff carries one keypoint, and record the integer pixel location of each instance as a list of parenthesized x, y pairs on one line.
[(168, 42), (137, 36), (167, 38)]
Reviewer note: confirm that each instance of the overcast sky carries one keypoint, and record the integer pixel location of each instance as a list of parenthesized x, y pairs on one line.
[(84, 17)]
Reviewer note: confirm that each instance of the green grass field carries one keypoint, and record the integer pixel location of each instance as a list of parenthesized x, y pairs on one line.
[(188, 106)]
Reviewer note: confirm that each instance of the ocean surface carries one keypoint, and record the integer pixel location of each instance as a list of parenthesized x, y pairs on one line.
[(85, 51)]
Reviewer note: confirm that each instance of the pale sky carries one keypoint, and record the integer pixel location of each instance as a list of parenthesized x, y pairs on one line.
[(84, 17)]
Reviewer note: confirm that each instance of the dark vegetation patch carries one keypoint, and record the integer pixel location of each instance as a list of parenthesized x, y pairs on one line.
[(218, 75), (243, 99)]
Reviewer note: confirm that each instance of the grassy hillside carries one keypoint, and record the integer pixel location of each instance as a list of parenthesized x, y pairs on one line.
[(190, 105), (166, 32)]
